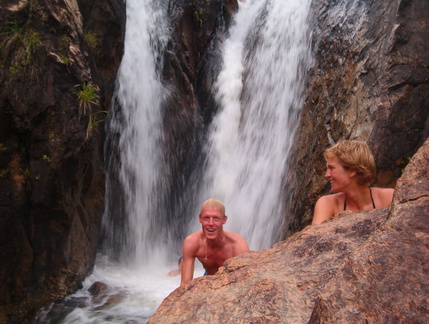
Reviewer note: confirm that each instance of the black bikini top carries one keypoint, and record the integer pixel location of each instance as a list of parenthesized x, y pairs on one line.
[(372, 200)]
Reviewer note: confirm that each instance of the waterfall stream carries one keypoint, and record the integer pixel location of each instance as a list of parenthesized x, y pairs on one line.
[(259, 91)]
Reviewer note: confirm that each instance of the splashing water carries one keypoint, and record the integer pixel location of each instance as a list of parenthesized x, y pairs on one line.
[(259, 91)]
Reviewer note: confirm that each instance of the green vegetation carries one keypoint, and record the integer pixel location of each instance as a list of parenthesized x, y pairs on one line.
[(64, 59), (87, 96), (403, 162), (91, 39), (4, 173), (19, 44), (94, 121)]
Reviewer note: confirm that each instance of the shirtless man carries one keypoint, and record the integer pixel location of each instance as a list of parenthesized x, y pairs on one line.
[(350, 169), (211, 245)]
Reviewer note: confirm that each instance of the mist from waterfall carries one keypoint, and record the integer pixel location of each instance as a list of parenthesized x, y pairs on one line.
[(260, 90)]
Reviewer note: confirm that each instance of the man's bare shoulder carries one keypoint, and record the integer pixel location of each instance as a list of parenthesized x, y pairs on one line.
[(193, 240), (237, 242), (234, 237)]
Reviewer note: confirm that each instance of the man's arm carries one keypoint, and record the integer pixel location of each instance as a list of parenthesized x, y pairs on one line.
[(240, 244), (188, 262)]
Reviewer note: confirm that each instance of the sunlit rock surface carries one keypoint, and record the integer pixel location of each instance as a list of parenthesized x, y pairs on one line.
[(367, 267)]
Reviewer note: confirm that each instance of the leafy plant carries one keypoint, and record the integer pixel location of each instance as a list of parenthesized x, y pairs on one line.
[(20, 43), (11, 34), (93, 122), (87, 96), (64, 59)]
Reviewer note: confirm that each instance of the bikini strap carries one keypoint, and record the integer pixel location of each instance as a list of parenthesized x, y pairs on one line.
[(372, 199)]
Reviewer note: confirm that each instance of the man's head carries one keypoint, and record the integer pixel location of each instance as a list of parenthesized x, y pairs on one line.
[(213, 203), (354, 155), (212, 217)]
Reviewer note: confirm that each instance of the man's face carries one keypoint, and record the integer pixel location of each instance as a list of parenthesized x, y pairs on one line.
[(212, 222)]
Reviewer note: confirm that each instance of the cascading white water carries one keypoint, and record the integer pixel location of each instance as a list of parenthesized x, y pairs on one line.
[(138, 122), (260, 94)]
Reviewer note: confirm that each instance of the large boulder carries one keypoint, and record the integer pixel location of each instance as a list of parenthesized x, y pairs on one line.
[(366, 267)]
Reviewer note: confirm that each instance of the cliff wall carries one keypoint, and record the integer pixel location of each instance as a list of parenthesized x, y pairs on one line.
[(58, 66), (369, 82)]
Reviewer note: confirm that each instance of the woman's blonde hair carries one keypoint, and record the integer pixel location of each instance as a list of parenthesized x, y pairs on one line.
[(354, 155)]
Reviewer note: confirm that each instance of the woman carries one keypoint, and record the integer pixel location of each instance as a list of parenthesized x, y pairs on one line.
[(350, 169)]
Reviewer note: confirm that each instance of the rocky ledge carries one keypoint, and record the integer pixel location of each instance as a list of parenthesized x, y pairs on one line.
[(367, 267)]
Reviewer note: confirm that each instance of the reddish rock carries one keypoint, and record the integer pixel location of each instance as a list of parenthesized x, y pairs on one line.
[(367, 267)]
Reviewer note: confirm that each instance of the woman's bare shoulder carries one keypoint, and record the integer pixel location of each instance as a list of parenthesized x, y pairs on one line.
[(332, 198), (326, 207), (383, 196), (382, 191)]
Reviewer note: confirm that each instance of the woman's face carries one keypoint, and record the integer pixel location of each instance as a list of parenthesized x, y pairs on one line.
[(337, 175)]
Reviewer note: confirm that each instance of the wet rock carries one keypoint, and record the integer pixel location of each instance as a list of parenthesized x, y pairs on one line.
[(57, 312), (369, 82), (103, 296), (366, 267)]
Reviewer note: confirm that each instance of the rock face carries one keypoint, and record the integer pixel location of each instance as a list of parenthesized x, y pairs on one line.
[(369, 82), (58, 66), (367, 267)]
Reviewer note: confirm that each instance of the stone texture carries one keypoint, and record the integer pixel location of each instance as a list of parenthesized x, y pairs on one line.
[(369, 82), (51, 166), (367, 267)]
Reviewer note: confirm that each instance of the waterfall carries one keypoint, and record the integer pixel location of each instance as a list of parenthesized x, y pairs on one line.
[(135, 130), (260, 93)]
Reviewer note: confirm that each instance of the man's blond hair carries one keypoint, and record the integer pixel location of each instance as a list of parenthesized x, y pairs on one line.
[(354, 155), (213, 203)]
